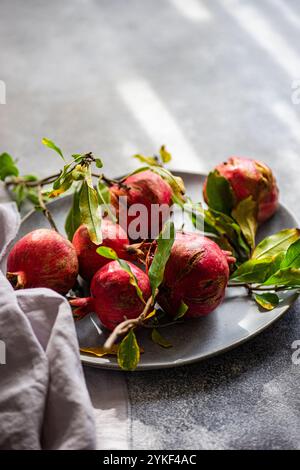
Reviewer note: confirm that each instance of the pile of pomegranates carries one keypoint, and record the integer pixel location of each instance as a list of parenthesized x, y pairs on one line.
[(196, 273)]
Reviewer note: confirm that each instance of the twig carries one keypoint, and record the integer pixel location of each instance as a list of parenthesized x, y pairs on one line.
[(111, 181), (32, 184), (251, 288), (126, 325), (45, 210)]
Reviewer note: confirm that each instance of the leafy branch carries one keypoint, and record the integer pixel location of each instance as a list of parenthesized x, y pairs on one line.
[(273, 267)]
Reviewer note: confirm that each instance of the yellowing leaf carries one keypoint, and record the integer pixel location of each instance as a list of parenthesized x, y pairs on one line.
[(147, 160), (181, 311), (268, 300), (279, 242), (107, 252), (150, 315), (164, 154), (129, 352), (157, 338)]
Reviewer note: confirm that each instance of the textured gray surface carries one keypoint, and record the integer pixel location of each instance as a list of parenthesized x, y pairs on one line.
[(77, 72)]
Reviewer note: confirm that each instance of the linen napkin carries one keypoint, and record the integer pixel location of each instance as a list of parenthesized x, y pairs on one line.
[(44, 402)]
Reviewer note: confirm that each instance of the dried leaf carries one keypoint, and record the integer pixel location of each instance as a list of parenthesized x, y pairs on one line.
[(99, 351)]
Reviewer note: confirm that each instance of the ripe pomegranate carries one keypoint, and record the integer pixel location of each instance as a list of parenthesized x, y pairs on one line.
[(43, 258), (196, 273), (89, 260), (113, 298), (145, 188), (249, 177)]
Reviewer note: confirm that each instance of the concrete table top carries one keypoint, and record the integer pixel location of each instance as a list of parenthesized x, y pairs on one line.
[(209, 79)]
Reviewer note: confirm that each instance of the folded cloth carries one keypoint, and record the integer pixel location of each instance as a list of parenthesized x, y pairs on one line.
[(44, 403)]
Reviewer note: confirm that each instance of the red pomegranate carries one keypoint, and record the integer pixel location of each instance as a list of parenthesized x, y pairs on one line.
[(249, 177), (147, 189), (196, 273), (89, 261), (43, 258), (113, 297)]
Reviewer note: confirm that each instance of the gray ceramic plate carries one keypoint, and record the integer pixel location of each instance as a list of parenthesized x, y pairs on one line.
[(237, 320)]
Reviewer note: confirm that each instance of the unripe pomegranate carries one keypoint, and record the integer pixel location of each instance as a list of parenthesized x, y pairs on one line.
[(89, 261), (249, 177), (43, 258), (113, 298), (196, 273), (145, 188)]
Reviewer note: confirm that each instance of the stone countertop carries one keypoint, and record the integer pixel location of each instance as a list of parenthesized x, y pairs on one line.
[(208, 79)]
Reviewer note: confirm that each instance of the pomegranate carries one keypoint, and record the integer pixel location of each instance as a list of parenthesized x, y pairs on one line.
[(147, 189), (249, 177), (196, 273), (89, 260), (113, 297), (43, 258)]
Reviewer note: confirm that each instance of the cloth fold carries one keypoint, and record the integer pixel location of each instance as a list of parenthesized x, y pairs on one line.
[(44, 402)]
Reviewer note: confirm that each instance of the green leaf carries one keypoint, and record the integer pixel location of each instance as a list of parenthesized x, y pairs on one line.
[(292, 257), (157, 338), (245, 214), (254, 271), (129, 352), (104, 199), (219, 193), (107, 252), (289, 277), (32, 196), (20, 194), (268, 300), (164, 154), (89, 211), (73, 218), (7, 166), (181, 311), (99, 163), (30, 178), (51, 145), (164, 245), (133, 280), (279, 242), (176, 183)]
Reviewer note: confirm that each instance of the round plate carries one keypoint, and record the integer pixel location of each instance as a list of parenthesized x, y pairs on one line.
[(237, 319)]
